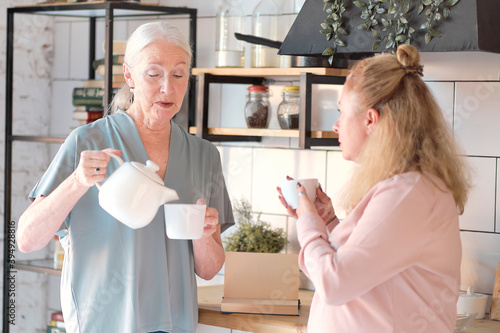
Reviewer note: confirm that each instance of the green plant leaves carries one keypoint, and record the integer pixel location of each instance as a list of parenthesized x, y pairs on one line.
[(253, 236), (387, 20)]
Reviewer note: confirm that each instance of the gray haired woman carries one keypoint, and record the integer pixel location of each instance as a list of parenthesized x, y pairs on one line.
[(114, 278)]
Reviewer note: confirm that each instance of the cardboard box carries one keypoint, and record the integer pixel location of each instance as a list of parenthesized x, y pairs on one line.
[(261, 283)]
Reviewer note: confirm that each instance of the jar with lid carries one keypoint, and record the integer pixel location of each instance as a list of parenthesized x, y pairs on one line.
[(229, 52), (257, 108), (288, 109)]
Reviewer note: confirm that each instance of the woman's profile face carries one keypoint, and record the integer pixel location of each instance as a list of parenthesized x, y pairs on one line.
[(351, 125), (160, 80)]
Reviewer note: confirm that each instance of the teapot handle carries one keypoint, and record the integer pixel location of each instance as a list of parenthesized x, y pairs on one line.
[(118, 159)]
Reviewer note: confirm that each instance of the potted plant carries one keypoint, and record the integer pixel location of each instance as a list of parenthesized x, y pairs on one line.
[(257, 278)]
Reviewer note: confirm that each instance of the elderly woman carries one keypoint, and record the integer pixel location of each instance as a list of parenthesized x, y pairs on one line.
[(393, 264), (117, 279)]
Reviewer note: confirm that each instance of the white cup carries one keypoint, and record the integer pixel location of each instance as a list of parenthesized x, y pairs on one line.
[(184, 221), (289, 190)]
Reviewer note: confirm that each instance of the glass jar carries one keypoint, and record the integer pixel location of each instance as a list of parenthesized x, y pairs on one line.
[(257, 108), (288, 109), (265, 24), (229, 52)]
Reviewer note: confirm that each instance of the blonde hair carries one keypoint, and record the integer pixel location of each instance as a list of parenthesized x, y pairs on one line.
[(411, 134), (140, 38)]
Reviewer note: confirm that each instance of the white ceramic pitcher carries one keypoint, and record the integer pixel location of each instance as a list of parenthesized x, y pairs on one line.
[(134, 192)]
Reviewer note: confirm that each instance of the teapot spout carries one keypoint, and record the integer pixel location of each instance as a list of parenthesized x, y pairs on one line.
[(169, 195)]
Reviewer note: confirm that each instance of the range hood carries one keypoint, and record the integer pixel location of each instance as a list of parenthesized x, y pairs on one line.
[(473, 25)]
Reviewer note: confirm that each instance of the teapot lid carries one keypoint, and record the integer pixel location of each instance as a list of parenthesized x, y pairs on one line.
[(149, 170)]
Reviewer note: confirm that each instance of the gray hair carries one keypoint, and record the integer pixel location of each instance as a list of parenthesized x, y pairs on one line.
[(140, 38)]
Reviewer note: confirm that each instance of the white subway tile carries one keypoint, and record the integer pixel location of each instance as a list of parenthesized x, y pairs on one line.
[(205, 43), (497, 211), (61, 120), (444, 93), (237, 168), (324, 106), (472, 66), (270, 168), (476, 117), (480, 253), (479, 211), (79, 50), (232, 105)]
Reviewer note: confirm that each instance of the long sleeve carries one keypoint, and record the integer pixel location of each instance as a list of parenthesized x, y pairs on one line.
[(397, 232)]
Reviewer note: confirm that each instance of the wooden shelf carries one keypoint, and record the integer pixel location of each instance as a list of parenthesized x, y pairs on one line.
[(265, 132), (45, 266), (258, 72)]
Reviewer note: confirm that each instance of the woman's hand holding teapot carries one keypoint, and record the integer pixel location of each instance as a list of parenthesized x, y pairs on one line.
[(93, 165)]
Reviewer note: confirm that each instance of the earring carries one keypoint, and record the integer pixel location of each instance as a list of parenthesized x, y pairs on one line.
[(132, 90)]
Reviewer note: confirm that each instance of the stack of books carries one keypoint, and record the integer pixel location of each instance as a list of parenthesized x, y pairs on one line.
[(56, 324), (88, 100)]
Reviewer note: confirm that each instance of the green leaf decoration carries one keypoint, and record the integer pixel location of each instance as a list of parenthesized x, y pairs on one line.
[(328, 52), (376, 34), (401, 38), (360, 4), (340, 43), (435, 33), (387, 20), (446, 12), (428, 38)]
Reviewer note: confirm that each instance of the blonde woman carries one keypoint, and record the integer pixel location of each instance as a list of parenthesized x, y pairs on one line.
[(393, 264)]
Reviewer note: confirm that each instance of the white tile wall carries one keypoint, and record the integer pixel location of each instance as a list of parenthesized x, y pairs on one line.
[(477, 117), (479, 212), (270, 168)]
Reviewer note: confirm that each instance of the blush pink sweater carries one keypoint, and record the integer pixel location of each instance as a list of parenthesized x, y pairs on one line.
[(392, 265)]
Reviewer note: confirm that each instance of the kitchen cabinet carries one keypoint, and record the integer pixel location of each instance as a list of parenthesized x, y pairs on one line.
[(102, 11), (257, 76)]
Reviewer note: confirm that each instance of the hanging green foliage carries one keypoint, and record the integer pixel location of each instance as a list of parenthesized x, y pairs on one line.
[(386, 20)]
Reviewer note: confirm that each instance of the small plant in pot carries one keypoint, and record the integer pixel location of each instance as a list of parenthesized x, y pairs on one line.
[(252, 234), (257, 278)]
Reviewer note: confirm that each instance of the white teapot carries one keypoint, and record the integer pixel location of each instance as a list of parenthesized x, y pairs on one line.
[(134, 192)]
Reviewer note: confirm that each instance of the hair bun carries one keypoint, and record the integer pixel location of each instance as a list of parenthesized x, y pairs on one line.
[(409, 58)]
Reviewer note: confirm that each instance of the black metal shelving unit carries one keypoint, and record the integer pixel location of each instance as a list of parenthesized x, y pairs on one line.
[(102, 10), (308, 78)]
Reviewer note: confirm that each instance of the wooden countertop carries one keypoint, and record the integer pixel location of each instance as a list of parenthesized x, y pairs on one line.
[(209, 314)]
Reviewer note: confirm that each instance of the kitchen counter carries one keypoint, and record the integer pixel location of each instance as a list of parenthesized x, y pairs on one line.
[(209, 314)]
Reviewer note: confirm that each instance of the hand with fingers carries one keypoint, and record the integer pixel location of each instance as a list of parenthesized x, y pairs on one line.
[(322, 205), (93, 166), (211, 219)]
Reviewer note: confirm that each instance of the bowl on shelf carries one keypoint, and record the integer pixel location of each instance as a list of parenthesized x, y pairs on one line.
[(463, 321)]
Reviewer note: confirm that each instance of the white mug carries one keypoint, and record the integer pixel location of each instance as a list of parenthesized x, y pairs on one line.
[(184, 221), (289, 190)]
